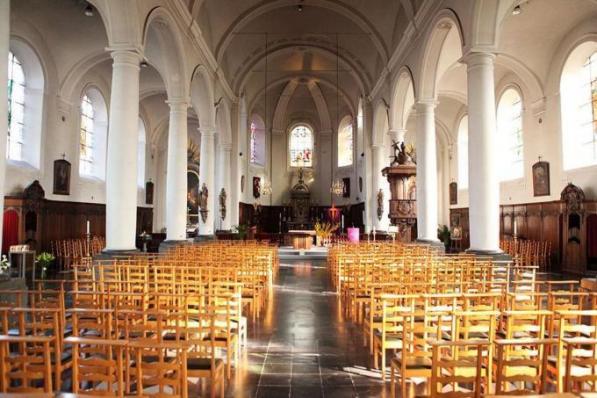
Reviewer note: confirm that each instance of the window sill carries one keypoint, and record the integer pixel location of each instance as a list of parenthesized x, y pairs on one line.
[(91, 179), (21, 164)]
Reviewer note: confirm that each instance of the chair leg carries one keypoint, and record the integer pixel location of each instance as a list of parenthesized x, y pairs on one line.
[(392, 381)]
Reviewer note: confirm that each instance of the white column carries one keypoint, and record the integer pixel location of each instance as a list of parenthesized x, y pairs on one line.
[(121, 161), (207, 176), (225, 155), (427, 198), (176, 178), (484, 186), (4, 48)]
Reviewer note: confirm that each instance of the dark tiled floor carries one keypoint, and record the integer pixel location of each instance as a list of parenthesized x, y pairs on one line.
[(303, 347)]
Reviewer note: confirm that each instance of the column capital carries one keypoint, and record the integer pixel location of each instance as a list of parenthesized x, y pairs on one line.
[(178, 104), (126, 56), (207, 131), (425, 105), (478, 58)]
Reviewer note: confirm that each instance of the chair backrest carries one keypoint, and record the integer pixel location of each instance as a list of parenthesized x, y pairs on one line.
[(458, 365), (25, 364), (521, 366), (101, 373), (581, 365)]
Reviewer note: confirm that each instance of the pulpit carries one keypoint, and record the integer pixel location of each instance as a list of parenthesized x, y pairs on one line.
[(403, 189)]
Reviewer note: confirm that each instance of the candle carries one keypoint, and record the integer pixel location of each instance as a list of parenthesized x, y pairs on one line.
[(515, 234), (342, 222), (88, 227)]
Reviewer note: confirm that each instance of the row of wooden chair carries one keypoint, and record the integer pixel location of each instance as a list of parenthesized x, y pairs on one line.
[(528, 252), (73, 251)]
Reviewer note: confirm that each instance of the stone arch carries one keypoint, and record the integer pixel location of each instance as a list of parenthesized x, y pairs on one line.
[(202, 97), (432, 61), (403, 98), (163, 48)]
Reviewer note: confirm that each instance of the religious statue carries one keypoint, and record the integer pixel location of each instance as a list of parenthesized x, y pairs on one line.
[(379, 204), (203, 195), (403, 154), (222, 200)]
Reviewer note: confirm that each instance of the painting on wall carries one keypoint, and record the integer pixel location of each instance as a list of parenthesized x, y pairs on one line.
[(192, 196), (453, 193), (256, 187), (149, 192), (346, 187), (193, 156), (541, 178), (61, 177)]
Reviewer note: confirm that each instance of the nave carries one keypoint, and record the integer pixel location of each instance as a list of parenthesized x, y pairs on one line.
[(229, 319)]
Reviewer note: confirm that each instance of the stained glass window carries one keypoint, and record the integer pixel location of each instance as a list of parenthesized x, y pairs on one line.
[(301, 147), (345, 144), (509, 124), (16, 108), (463, 153), (86, 137), (257, 142)]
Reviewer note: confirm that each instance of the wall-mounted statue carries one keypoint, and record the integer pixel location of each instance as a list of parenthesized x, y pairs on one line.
[(203, 196), (379, 204), (222, 200)]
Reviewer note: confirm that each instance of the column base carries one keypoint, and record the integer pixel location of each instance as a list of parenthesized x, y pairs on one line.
[(496, 255), (434, 243), (204, 238), (108, 254), (169, 244)]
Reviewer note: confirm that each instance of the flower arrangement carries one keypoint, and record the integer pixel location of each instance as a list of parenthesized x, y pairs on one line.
[(323, 231), (4, 265), (44, 260)]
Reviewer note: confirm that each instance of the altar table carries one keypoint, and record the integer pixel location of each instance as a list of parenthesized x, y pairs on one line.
[(301, 240)]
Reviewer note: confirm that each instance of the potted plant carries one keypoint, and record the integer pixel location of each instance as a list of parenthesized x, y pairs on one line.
[(241, 230), (444, 234), (44, 260), (4, 268)]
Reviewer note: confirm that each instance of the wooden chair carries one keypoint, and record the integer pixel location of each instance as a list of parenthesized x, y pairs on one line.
[(459, 369), (520, 363), (101, 373), (581, 365), (25, 366), (160, 369)]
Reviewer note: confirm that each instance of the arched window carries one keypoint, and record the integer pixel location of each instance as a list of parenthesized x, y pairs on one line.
[(578, 96), (16, 108), (92, 135), (301, 147), (345, 142), (463, 153), (509, 125), (141, 148), (257, 144)]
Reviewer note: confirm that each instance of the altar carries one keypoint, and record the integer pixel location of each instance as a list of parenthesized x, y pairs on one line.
[(300, 239)]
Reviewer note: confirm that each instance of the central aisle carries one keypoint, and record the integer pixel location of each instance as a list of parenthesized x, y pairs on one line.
[(303, 347)]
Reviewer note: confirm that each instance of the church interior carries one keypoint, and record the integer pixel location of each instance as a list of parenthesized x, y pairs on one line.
[(298, 198)]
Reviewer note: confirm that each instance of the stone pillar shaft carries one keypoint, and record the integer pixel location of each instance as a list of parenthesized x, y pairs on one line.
[(176, 178), (121, 164), (484, 186), (4, 49), (207, 177)]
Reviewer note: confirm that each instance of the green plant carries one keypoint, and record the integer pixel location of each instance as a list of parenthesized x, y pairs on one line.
[(444, 234), (241, 230), (44, 259), (4, 264)]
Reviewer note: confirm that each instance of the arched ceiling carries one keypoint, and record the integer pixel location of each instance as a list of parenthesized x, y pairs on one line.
[(355, 36)]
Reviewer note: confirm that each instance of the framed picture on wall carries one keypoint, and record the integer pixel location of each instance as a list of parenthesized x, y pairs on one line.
[(346, 187), (61, 177), (541, 178), (256, 187), (149, 192), (453, 193)]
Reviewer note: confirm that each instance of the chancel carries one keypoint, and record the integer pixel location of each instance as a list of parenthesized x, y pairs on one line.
[(289, 198)]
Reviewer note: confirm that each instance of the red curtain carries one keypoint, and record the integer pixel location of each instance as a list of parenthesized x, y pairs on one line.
[(10, 230)]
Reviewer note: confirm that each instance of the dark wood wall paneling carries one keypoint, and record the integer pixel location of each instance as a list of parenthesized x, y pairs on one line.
[(57, 220), (269, 220), (535, 221)]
